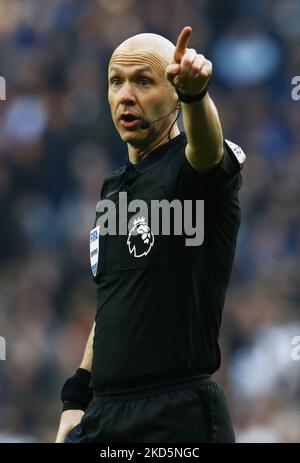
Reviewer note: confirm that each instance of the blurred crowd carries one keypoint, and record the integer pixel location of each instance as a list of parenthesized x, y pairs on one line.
[(57, 144)]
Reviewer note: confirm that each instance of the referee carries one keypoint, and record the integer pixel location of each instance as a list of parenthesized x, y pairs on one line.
[(146, 371)]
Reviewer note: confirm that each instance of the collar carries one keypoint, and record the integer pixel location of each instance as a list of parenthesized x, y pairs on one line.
[(154, 155)]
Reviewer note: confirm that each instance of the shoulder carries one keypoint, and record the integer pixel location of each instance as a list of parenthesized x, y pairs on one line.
[(224, 175), (236, 151), (231, 162)]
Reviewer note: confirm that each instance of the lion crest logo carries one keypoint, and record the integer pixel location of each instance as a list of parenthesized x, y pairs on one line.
[(140, 239)]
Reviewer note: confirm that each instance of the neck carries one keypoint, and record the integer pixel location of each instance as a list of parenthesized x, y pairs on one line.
[(136, 154)]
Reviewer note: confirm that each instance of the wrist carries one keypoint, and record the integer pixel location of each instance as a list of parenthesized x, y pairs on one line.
[(72, 406), (76, 393), (191, 98)]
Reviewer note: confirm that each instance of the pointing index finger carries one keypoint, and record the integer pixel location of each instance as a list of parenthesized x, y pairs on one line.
[(181, 44)]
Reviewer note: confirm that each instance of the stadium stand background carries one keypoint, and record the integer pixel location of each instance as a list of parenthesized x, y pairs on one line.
[(57, 143)]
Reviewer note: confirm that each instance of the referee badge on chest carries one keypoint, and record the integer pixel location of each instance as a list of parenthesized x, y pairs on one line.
[(94, 249)]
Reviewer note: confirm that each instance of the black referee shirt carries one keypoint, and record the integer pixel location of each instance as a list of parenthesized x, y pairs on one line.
[(158, 314)]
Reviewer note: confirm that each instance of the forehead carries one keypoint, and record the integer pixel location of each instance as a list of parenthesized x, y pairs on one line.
[(140, 60), (132, 69)]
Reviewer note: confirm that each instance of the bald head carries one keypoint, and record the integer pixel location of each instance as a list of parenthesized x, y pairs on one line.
[(137, 84), (151, 49)]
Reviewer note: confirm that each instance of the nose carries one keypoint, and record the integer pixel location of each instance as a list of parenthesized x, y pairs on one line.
[(127, 95)]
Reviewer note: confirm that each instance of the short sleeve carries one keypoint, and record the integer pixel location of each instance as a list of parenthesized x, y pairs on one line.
[(221, 177)]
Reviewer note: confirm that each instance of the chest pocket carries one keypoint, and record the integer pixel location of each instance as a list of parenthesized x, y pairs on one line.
[(142, 249), (144, 245)]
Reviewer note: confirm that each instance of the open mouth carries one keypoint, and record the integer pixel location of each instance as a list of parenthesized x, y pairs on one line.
[(128, 117), (130, 121)]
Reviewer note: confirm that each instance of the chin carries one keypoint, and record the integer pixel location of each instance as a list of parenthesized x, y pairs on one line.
[(131, 136)]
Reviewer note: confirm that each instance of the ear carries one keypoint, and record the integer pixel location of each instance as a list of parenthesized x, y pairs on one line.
[(178, 104)]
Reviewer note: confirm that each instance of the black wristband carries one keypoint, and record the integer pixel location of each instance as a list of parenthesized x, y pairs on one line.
[(72, 406), (76, 391), (191, 98)]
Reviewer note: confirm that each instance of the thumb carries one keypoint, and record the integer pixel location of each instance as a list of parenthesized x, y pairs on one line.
[(171, 71)]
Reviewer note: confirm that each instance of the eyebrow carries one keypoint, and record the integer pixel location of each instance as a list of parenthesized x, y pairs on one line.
[(140, 69)]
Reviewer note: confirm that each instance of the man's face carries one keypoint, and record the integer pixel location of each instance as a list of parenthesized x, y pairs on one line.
[(139, 91)]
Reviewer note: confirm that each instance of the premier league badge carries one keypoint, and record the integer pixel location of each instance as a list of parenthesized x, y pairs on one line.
[(94, 249), (140, 239)]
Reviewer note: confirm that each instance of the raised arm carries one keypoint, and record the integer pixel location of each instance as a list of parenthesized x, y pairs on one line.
[(190, 73)]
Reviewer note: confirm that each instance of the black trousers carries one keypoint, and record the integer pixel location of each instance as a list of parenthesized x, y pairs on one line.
[(193, 410)]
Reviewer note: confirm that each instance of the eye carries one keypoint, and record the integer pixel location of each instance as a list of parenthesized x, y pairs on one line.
[(115, 81), (144, 82)]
